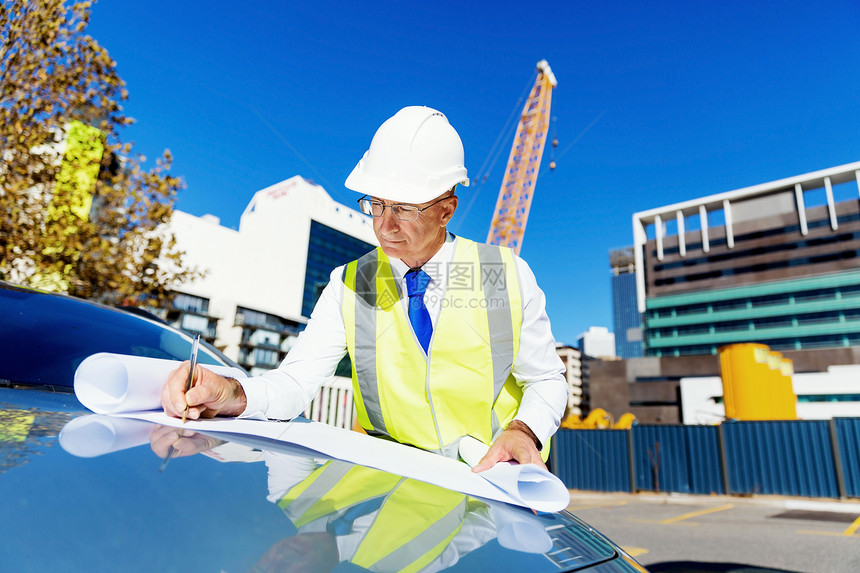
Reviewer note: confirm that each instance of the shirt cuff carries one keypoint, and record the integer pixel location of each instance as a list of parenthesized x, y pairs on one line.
[(257, 400)]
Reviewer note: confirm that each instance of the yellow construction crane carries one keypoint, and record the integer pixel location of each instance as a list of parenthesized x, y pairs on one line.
[(518, 186)]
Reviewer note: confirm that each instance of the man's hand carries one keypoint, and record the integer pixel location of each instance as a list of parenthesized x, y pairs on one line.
[(211, 395), (517, 443)]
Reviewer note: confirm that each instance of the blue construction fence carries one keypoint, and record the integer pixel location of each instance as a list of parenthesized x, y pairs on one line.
[(810, 458)]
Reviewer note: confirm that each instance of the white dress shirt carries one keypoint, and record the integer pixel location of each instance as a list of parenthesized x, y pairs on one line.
[(285, 392)]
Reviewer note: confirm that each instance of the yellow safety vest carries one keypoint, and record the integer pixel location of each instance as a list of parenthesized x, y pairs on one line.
[(413, 525), (463, 385)]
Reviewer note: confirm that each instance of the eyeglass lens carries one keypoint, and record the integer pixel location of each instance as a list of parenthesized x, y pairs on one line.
[(402, 212)]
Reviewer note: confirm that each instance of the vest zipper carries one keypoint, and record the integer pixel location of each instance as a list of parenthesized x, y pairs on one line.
[(427, 386)]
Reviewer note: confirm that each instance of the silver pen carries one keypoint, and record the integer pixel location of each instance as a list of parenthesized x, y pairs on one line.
[(190, 383), (195, 345)]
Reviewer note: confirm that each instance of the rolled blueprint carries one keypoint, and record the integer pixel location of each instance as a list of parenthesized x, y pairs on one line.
[(533, 485), (96, 435), (112, 383)]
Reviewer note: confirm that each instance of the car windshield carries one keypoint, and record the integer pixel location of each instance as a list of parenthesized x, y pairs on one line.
[(45, 337)]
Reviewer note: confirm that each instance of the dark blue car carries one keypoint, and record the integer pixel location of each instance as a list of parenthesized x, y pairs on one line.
[(80, 492)]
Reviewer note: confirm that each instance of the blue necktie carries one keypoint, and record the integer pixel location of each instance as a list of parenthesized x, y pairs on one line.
[(416, 284)]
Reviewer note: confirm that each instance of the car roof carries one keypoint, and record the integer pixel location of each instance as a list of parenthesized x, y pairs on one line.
[(45, 336)]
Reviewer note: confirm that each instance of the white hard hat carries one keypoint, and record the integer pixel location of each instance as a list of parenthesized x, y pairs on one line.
[(414, 157)]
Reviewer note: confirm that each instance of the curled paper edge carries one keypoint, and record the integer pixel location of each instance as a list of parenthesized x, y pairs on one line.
[(532, 485), (108, 383)]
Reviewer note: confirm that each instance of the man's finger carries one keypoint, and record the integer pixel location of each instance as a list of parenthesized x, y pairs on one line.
[(173, 393), (486, 463), (211, 395), (204, 391)]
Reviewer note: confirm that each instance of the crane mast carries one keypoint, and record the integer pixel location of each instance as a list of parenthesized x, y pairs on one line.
[(515, 197)]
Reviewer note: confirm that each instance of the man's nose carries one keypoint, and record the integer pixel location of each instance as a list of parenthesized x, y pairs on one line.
[(387, 221)]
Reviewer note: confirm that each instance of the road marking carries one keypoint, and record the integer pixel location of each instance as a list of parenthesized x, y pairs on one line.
[(829, 533), (852, 528), (684, 516), (850, 532)]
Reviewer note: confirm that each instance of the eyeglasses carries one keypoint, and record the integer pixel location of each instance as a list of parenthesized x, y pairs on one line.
[(400, 211)]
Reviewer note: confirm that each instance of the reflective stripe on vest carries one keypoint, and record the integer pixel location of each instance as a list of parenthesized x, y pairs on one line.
[(499, 318), (414, 525), (465, 387), (331, 487)]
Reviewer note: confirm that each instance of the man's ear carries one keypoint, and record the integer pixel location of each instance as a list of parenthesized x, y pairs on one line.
[(448, 209)]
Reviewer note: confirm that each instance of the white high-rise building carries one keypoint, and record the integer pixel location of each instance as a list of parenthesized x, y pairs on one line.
[(572, 358), (263, 280), (598, 342)]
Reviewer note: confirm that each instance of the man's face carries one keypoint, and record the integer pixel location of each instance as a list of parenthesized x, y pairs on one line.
[(301, 552), (414, 242)]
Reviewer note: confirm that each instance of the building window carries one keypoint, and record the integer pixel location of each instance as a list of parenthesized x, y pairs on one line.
[(266, 339), (191, 303)]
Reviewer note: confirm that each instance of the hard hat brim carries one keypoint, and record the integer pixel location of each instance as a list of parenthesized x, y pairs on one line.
[(398, 191)]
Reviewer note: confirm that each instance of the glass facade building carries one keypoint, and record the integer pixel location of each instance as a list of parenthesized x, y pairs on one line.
[(805, 313), (327, 248), (626, 321)]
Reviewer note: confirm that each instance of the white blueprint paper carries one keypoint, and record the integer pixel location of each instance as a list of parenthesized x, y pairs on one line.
[(109, 383), (130, 387)]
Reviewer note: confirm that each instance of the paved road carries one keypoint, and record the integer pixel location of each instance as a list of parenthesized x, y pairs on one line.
[(674, 533)]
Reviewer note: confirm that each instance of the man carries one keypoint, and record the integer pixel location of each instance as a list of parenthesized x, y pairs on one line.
[(447, 337)]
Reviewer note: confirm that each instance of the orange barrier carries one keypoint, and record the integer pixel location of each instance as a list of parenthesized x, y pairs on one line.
[(757, 383)]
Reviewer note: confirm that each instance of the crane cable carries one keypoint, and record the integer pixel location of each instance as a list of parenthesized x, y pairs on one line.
[(577, 138), (495, 151)]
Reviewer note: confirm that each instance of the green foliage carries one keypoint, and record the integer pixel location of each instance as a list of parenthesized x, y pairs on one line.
[(52, 74)]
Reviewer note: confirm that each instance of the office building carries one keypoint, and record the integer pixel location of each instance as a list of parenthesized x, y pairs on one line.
[(626, 321), (263, 279), (572, 359), (776, 263), (597, 342)]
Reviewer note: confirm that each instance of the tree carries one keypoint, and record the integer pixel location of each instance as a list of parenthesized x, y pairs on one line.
[(78, 212), (26, 433)]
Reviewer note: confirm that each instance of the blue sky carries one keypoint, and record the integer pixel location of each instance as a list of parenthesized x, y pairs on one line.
[(657, 102)]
